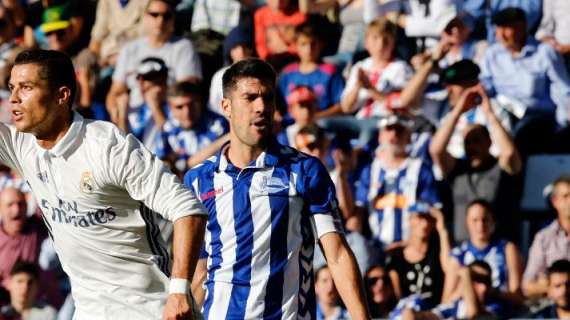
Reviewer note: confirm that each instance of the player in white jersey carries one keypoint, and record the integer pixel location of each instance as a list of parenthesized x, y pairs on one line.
[(267, 205), (98, 191)]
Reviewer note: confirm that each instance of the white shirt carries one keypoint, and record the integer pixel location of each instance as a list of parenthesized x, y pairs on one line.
[(93, 188)]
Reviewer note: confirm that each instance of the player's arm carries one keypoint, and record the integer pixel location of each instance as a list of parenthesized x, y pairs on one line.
[(345, 273), (198, 279)]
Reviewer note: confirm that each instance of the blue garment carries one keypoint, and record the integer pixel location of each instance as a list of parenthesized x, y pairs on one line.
[(124, 3), (342, 314), (494, 254), (415, 302), (261, 230), (548, 312), (326, 82), (537, 77), (142, 126), (457, 310)]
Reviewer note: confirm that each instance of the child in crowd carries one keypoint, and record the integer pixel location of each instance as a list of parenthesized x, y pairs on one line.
[(302, 104)]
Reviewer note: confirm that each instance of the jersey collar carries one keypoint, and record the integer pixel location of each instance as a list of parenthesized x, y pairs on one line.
[(70, 138), (266, 159)]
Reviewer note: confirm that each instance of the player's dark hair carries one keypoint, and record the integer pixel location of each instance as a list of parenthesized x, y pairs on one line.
[(184, 89), (559, 266), (249, 68), (55, 67), (28, 268)]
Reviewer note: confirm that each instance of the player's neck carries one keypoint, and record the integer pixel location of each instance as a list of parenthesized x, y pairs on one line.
[(54, 133), (241, 155)]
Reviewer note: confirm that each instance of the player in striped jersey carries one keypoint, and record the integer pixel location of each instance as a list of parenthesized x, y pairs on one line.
[(267, 205), (393, 182)]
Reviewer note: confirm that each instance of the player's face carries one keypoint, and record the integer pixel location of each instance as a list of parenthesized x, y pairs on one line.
[(33, 104), (379, 285), (559, 289), (249, 110), (13, 209), (186, 110), (561, 199), (480, 224), (23, 288), (325, 289)]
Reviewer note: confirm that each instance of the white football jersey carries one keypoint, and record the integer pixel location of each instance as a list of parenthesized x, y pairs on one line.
[(99, 190)]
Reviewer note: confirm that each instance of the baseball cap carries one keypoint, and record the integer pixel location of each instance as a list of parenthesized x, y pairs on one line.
[(55, 18), (460, 72), (301, 95), (396, 119), (152, 67), (421, 208), (509, 16)]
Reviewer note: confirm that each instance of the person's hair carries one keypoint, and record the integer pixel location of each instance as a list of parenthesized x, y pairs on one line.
[(184, 89), (559, 266), (313, 130), (170, 3), (480, 202), (248, 68), (383, 27), (55, 67), (309, 30), (482, 265), (28, 268), (564, 179), (319, 270)]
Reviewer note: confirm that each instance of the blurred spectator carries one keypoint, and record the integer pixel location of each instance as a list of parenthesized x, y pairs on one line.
[(116, 23), (558, 292), (531, 75), (555, 27), (323, 78), (379, 292), (23, 286), (178, 54), (190, 128), (8, 48), (20, 237), (392, 183), (480, 174), (218, 15), (551, 243), (328, 299), (275, 31), (418, 267), (502, 256), (238, 46), (302, 104), (457, 33)]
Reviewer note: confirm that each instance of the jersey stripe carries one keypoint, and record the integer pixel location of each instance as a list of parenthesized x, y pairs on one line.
[(153, 236), (291, 288)]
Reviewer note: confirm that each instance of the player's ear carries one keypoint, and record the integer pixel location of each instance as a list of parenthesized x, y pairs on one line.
[(63, 96), (227, 107)]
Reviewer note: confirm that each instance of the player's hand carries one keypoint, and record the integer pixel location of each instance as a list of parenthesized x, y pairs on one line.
[(177, 307)]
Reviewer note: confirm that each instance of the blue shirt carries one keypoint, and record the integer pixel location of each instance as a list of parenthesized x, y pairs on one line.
[(537, 77), (142, 126), (261, 230), (494, 254)]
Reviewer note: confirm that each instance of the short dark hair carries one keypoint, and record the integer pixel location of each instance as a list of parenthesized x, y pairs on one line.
[(55, 67), (28, 268), (248, 68), (487, 279), (559, 266), (481, 202), (171, 4), (309, 29), (184, 89)]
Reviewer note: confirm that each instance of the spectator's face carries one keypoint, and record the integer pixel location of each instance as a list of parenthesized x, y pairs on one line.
[(394, 138), (559, 289), (308, 49), (35, 107), (240, 52), (147, 85), (249, 110), (325, 288), (13, 208), (511, 36), (421, 225), (59, 40), (23, 289), (159, 19), (480, 224), (186, 110), (310, 145), (278, 5), (302, 114), (456, 32), (379, 285), (379, 46), (476, 142), (561, 199)]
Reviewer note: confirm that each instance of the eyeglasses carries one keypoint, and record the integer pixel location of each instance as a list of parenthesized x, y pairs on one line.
[(165, 15), (373, 280), (58, 33)]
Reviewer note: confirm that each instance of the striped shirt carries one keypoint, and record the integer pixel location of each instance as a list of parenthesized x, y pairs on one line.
[(494, 254), (262, 225), (389, 193)]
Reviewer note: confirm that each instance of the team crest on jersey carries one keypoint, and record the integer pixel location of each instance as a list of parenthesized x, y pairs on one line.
[(86, 185)]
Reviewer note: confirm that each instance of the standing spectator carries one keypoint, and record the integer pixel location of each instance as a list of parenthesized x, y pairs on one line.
[(323, 78), (392, 183), (24, 287), (551, 243), (555, 27), (328, 300), (480, 174), (20, 237), (380, 292), (558, 292), (159, 41)]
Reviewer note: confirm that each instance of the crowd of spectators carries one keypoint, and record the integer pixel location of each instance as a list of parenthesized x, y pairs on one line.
[(425, 112)]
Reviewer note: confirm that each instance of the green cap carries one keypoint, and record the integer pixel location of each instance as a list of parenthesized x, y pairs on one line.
[(55, 18)]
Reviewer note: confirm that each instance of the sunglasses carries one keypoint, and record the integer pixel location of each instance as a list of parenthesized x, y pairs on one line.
[(372, 280), (57, 33), (165, 15)]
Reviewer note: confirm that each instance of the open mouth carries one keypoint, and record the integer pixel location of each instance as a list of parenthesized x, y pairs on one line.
[(261, 123), (17, 115)]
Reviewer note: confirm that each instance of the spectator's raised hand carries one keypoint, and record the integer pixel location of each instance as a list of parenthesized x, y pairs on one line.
[(363, 80), (441, 49), (469, 99)]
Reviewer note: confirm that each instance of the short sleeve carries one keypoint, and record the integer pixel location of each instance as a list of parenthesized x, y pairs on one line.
[(363, 187), (7, 147), (120, 73), (187, 62)]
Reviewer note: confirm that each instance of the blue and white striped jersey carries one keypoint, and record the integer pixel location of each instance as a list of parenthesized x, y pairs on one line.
[(389, 193), (494, 254), (261, 231)]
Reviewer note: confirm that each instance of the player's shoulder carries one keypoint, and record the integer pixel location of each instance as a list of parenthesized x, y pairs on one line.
[(102, 131), (202, 170), (299, 162)]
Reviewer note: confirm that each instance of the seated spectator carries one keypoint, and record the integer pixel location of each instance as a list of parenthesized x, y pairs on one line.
[(558, 292), (302, 104), (159, 41), (20, 237), (456, 33), (190, 127), (531, 75), (275, 31), (418, 266), (502, 256), (116, 22), (238, 46), (480, 175), (379, 292), (392, 183), (551, 243), (23, 286), (323, 78), (328, 299), (554, 27), (220, 16)]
